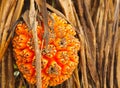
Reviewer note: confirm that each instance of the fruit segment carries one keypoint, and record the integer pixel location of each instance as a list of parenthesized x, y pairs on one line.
[(59, 58)]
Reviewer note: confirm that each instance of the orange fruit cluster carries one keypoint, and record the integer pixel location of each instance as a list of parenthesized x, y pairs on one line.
[(59, 59)]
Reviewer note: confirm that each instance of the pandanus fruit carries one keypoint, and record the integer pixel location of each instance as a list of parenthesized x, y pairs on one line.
[(59, 58)]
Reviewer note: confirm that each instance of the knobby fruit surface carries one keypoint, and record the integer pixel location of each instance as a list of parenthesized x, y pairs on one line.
[(59, 58)]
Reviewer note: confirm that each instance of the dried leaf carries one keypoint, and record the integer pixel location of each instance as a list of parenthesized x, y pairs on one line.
[(26, 18), (5, 26), (33, 24), (67, 6), (43, 10), (10, 20), (118, 61), (17, 11)]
